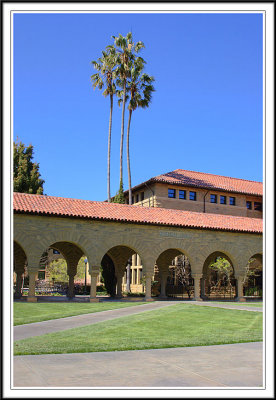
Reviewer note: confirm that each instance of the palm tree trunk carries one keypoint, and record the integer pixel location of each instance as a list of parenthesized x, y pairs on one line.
[(128, 159), (122, 134), (109, 147)]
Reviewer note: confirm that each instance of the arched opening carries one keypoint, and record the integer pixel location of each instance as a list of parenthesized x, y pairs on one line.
[(63, 270), (218, 280), (173, 275), (253, 283), (122, 271), (20, 270)]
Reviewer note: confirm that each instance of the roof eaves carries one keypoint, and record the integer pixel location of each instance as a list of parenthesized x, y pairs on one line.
[(136, 222)]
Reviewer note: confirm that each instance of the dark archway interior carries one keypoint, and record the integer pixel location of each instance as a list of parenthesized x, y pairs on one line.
[(108, 274)]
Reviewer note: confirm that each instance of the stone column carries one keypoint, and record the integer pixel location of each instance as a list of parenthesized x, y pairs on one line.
[(148, 287), (128, 278), (119, 285), (18, 285), (197, 287), (240, 296), (203, 282), (71, 287), (32, 272), (93, 271), (163, 276), (138, 260)]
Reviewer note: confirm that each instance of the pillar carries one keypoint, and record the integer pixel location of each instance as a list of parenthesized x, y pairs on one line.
[(163, 276), (71, 287), (93, 271), (138, 260), (18, 285), (203, 284), (119, 285), (197, 287), (148, 287), (128, 278), (240, 296), (32, 272)]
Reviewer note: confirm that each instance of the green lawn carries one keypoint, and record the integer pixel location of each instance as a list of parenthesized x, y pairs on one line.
[(26, 313), (179, 325)]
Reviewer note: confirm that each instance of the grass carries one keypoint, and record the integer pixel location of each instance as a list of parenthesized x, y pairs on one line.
[(26, 313), (180, 325)]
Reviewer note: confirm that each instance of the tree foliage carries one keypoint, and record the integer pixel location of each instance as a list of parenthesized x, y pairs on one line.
[(119, 197), (26, 176), (224, 272)]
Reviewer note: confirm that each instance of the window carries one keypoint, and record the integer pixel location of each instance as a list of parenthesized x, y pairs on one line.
[(249, 205), (56, 251), (137, 198), (171, 193), (232, 201), (222, 199), (142, 196), (182, 194), (193, 196), (257, 206), (213, 198)]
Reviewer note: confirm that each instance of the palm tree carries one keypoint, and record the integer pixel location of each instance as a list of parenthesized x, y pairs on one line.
[(140, 90), (106, 65), (127, 51)]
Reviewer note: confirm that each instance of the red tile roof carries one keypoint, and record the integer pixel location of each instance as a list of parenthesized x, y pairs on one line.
[(208, 181), (96, 210)]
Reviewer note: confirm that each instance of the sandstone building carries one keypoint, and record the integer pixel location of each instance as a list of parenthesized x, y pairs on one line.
[(198, 192)]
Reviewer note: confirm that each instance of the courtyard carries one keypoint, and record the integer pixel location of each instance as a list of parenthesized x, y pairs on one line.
[(88, 348)]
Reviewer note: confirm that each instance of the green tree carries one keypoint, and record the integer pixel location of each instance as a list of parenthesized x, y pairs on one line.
[(106, 66), (140, 90), (119, 197), (26, 176), (127, 52), (224, 272)]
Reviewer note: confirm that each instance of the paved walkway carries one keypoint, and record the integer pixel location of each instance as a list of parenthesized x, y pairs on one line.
[(231, 365), (54, 325)]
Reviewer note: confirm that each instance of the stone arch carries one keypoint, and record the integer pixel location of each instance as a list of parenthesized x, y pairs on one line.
[(71, 253), (253, 279), (119, 266), (174, 273), (218, 284)]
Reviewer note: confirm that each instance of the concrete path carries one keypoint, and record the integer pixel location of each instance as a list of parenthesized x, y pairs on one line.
[(231, 365), (54, 325)]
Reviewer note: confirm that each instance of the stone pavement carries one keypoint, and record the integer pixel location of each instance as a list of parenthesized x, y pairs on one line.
[(223, 366), (54, 325)]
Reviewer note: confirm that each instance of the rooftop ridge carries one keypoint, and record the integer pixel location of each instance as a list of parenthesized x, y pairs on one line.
[(172, 210), (207, 173)]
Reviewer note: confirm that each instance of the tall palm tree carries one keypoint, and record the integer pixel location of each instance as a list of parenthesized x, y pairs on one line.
[(106, 65), (127, 51), (140, 90)]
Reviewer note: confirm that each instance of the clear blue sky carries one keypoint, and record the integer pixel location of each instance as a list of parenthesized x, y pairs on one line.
[(206, 113)]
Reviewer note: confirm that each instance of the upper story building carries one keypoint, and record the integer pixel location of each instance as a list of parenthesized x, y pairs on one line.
[(200, 192)]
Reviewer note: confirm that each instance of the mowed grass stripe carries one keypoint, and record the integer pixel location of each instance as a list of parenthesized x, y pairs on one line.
[(27, 313), (181, 325)]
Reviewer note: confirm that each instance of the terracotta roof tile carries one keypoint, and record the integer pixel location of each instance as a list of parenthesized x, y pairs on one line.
[(208, 181), (59, 206)]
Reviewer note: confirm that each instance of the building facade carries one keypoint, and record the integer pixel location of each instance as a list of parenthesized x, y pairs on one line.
[(77, 228)]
